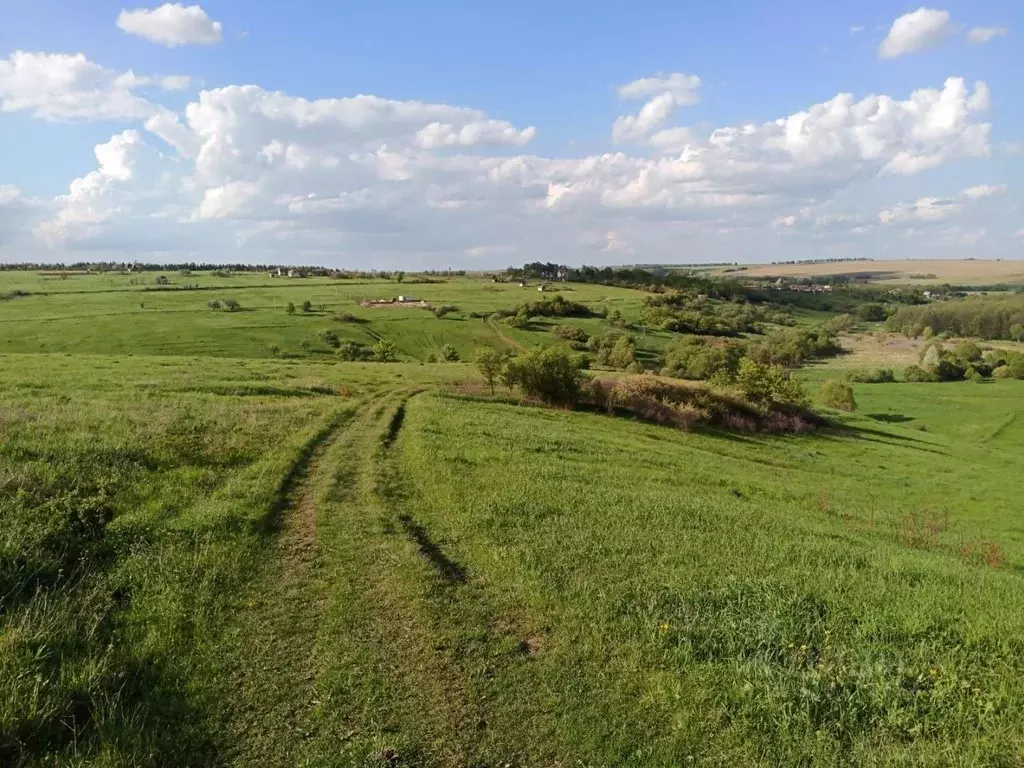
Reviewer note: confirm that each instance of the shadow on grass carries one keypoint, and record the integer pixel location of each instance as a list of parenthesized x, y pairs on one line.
[(890, 418), (449, 570)]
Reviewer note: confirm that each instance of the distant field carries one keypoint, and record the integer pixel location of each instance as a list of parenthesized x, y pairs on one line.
[(132, 315), (906, 271)]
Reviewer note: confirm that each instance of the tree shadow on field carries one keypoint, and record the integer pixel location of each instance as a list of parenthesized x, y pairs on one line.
[(890, 418), (887, 438)]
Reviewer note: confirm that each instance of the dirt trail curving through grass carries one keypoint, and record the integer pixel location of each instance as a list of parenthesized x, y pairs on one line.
[(274, 641), (496, 327)]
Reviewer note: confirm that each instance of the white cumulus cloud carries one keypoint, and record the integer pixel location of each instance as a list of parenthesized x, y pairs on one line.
[(666, 92), (172, 24), (251, 173), (57, 86), (983, 191), (915, 32), (89, 202)]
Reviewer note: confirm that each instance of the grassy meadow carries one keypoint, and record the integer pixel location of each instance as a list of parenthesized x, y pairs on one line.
[(219, 546)]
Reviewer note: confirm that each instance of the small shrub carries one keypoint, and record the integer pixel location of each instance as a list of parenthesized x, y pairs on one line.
[(837, 394), (490, 363), (331, 339), (351, 351), (307, 306), (983, 553), (915, 373), (231, 305), (449, 354), (163, 280), (921, 530), (444, 309), (215, 305), (341, 317), (384, 351), (1002, 372), (290, 309), (519, 320)]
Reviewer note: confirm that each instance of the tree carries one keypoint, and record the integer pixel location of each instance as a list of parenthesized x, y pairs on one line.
[(1017, 331), (623, 354), (290, 309), (307, 306), (399, 277), (837, 394), (384, 351), (489, 362), (765, 384), (872, 313), (551, 375), (449, 354), (931, 357)]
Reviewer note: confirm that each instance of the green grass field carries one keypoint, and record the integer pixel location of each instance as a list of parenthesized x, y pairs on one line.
[(105, 314), (210, 556)]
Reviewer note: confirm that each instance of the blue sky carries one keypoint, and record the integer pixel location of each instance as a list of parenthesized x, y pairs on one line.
[(526, 163)]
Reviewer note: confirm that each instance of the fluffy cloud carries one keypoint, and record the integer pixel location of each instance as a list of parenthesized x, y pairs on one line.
[(8, 193), (667, 92), (982, 35), (927, 209), (267, 174), (485, 132), (915, 32), (934, 209), (56, 86), (983, 191), (684, 88), (89, 203), (172, 24)]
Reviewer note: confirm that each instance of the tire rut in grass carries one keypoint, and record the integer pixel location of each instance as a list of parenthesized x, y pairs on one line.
[(420, 621), (275, 639)]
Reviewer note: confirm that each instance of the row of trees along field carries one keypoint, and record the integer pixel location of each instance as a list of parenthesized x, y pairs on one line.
[(984, 317), (846, 295)]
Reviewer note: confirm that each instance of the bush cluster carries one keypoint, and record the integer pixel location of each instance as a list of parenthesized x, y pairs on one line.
[(683, 405), (685, 312), (876, 376), (701, 357), (615, 349), (571, 333), (792, 349)]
